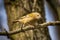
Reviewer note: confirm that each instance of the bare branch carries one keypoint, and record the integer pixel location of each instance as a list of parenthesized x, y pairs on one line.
[(31, 28)]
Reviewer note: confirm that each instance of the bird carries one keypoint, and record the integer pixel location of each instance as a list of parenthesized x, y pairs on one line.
[(29, 17)]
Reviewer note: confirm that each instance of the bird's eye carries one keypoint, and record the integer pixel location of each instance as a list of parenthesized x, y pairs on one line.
[(37, 15)]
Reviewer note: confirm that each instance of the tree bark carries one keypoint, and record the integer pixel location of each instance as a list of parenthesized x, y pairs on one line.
[(18, 8)]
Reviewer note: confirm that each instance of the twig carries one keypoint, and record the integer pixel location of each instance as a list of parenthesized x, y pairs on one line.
[(34, 4), (31, 28)]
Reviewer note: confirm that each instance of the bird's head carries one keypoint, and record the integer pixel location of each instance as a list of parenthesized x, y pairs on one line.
[(35, 15)]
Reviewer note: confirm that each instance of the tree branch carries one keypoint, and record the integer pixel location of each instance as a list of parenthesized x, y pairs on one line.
[(31, 28)]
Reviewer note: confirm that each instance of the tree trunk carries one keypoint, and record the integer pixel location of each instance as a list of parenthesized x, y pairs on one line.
[(18, 8)]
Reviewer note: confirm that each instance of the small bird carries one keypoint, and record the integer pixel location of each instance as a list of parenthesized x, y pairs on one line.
[(29, 17)]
